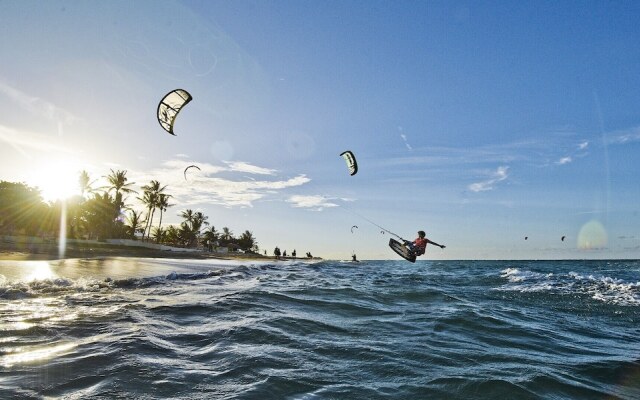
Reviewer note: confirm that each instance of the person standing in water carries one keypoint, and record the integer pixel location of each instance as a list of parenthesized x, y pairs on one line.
[(419, 245)]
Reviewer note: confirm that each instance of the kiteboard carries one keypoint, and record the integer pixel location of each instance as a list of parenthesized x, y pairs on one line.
[(402, 250)]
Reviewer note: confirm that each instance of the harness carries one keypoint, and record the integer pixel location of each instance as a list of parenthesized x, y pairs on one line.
[(420, 246)]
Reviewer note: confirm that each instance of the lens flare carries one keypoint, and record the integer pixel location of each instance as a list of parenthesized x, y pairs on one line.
[(592, 236)]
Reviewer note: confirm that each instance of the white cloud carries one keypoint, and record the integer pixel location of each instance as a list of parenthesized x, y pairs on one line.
[(22, 140), (406, 143), (206, 186), (564, 160), (583, 145), (499, 175), (248, 168), (625, 136), (36, 105), (316, 202)]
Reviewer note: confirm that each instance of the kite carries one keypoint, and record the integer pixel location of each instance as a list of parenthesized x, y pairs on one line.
[(562, 238), (355, 226), (526, 237), (351, 161), (190, 166), (170, 106)]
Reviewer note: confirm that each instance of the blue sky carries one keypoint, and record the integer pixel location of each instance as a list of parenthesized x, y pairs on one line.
[(481, 123)]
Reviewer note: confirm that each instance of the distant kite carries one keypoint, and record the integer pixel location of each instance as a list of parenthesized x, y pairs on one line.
[(190, 166), (526, 237), (170, 106), (351, 162), (355, 226), (563, 238)]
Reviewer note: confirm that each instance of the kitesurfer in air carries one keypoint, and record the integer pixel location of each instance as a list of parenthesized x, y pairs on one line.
[(419, 245)]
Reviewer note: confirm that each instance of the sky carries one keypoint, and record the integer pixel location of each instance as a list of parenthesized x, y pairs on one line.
[(481, 123)]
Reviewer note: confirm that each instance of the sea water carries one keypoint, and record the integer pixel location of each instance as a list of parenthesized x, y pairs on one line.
[(213, 329)]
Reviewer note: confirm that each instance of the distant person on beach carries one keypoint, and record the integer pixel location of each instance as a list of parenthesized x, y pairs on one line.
[(284, 253), (276, 253), (419, 245), (293, 253), (353, 257)]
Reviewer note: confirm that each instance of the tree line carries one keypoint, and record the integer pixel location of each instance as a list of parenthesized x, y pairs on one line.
[(103, 213)]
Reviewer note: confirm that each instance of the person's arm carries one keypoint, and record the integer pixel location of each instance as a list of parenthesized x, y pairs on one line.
[(435, 244)]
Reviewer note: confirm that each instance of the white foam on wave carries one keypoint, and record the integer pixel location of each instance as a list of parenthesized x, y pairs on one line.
[(606, 289), (517, 275), (20, 289), (609, 290)]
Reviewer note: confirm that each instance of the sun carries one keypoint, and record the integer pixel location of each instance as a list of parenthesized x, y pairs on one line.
[(57, 180)]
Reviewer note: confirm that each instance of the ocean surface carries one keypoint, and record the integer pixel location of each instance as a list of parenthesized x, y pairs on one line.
[(213, 329)]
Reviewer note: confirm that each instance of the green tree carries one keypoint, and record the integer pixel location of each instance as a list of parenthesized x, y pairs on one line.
[(246, 241), (163, 204), (158, 234), (22, 210), (101, 216), (190, 228), (210, 237), (134, 224), (151, 196), (85, 183), (118, 183), (226, 237), (172, 235)]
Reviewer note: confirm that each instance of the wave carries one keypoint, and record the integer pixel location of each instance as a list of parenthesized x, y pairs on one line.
[(18, 290), (606, 289)]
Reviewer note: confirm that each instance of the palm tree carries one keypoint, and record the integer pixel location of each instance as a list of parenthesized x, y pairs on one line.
[(150, 198), (118, 182), (247, 241), (209, 237), (172, 235), (100, 215), (227, 236), (158, 234), (134, 223), (190, 228), (163, 204), (85, 183), (187, 214), (199, 219)]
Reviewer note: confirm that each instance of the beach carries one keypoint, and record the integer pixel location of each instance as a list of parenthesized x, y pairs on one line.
[(50, 251)]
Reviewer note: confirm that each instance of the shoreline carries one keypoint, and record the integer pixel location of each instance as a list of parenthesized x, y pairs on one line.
[(42, 251)]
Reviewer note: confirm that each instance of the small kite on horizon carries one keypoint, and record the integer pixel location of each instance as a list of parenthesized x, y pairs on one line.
[(355, 226), (562, 238)]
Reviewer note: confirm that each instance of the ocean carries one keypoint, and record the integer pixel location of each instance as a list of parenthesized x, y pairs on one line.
[(129, 328)]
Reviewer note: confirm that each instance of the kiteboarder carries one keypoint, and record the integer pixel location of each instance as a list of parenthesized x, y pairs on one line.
[(419, 245), (353, 258)]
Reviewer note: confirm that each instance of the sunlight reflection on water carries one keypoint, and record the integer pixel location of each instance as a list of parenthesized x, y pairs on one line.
[(34, 355)]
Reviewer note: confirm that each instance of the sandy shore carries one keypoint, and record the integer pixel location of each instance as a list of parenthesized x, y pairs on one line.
[(50, 252)]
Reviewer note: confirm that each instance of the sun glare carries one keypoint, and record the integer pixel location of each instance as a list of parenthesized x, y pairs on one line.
[(57, 180)]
